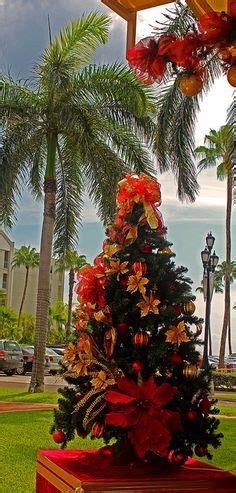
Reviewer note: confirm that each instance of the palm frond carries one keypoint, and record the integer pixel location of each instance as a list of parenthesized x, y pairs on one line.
[(176, 20), (69, 198), (73, 48)]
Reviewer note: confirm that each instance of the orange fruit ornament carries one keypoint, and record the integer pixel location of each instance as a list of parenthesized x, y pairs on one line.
[(231, 76), (191, 85)]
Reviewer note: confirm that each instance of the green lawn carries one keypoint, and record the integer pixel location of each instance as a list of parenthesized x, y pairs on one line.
[(228, 410), (8, 394), (227, 396), (23, 433)]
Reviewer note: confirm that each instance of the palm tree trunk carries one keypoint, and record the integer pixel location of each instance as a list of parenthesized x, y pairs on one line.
[(229, 332), (23, 297), (210, 342), (43, 297), (228, 262), (70, 300)]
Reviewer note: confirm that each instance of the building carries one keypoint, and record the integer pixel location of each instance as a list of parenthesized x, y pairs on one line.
[(12, 280)]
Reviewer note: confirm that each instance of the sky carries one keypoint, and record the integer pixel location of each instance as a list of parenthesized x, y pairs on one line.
[(23, 36)]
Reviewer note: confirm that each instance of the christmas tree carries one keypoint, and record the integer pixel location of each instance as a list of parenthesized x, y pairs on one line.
[(134, 370)]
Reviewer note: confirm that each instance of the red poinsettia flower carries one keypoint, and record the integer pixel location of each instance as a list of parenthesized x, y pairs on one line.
[(140, 410), (215, 27)]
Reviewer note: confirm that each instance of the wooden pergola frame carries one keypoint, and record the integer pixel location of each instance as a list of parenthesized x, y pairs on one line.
[(128, 9)]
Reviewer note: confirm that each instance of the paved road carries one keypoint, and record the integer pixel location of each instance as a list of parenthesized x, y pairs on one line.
[(22, 381)]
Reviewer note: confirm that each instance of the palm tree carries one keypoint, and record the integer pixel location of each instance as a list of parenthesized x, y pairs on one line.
[(218, 152), (221, 276), (28, 258), (71, 262), (177, 113), (73, 127), (218, 288)]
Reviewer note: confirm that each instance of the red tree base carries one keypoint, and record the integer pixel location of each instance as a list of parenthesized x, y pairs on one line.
[(96, 471)]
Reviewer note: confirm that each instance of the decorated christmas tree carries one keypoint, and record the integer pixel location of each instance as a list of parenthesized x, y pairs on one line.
[(133, 372)]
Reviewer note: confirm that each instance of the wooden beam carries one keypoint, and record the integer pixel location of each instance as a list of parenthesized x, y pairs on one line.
[(131, 31), (117, 8)]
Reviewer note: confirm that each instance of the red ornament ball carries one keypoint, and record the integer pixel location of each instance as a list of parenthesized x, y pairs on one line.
[(139, 267), (141, 339), (124, 282), (176, 359), (177, 457), (192, 416), (97, 429), (122, 328), (177, 310), (200, 451), (146, 248), (137, 366), (205, 405), (82, 434), (58, 436)]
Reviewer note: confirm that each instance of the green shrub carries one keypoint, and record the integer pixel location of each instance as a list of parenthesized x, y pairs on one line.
[(224, 381), (28, 329), (8, 324)]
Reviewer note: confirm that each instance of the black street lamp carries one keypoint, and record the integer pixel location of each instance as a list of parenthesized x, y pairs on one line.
[(209, 264)]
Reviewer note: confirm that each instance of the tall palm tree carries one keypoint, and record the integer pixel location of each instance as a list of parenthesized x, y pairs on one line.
[(71, 262), (218, 288), (28, 258), (73, 127), (221, 273), (218, 152)]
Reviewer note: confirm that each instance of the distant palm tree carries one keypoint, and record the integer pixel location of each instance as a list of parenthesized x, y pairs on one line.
[(75, 127), (28, 258), (218, 288), (71, 262), (221, 278), (218, 152)]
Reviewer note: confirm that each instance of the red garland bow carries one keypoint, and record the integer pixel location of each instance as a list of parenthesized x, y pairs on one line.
[(140, 410), (215, 27), (92, 282), (145, 61)]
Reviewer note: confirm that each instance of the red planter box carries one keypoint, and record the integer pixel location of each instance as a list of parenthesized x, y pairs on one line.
[(96, 471)]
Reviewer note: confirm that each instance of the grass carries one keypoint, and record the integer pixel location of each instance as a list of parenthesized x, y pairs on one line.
[(23, 433), (227, 396), (8, 394), (228, 410)]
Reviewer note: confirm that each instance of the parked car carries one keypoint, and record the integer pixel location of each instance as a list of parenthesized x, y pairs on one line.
[(53, 361), (11, 357), (213, 361), (230, 361), (28, 356), (58, 349)]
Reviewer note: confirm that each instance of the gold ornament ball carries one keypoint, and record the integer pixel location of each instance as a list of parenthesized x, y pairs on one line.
[(190, 85), (231, 76), (189, 308), (190, 371)]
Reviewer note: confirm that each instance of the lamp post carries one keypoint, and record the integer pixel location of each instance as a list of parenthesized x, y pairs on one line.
[(209, 262)]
